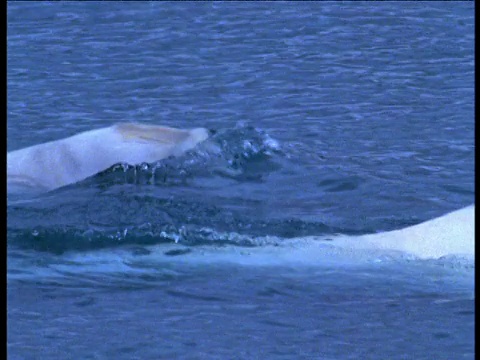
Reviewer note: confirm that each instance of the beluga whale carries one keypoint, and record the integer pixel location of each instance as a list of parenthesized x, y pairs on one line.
[(51, 165), (449, 234)]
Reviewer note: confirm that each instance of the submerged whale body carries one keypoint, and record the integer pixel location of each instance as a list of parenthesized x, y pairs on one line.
[(450, 235), (54, 164)]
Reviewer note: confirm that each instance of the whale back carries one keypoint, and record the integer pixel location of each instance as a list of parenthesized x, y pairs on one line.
[(58, 163), (157, 134), (450, 234), (160, 138)]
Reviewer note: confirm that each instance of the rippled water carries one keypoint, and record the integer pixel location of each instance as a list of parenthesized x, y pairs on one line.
[(327, 118)]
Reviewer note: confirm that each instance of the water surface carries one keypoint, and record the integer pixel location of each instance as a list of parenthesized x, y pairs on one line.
[(329, 117)]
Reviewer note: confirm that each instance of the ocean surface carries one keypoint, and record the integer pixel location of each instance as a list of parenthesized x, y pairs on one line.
[(330, 118)]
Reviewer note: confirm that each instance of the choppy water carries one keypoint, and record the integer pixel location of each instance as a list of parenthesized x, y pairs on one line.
[(328, 118)]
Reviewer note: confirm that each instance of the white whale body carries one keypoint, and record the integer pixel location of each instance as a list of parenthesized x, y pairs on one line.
[(54, 164), (450, 234)]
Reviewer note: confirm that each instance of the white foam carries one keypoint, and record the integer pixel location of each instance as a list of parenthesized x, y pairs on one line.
[(438, 248)]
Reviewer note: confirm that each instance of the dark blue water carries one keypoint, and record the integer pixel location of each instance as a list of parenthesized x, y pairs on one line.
[(329, 117)]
